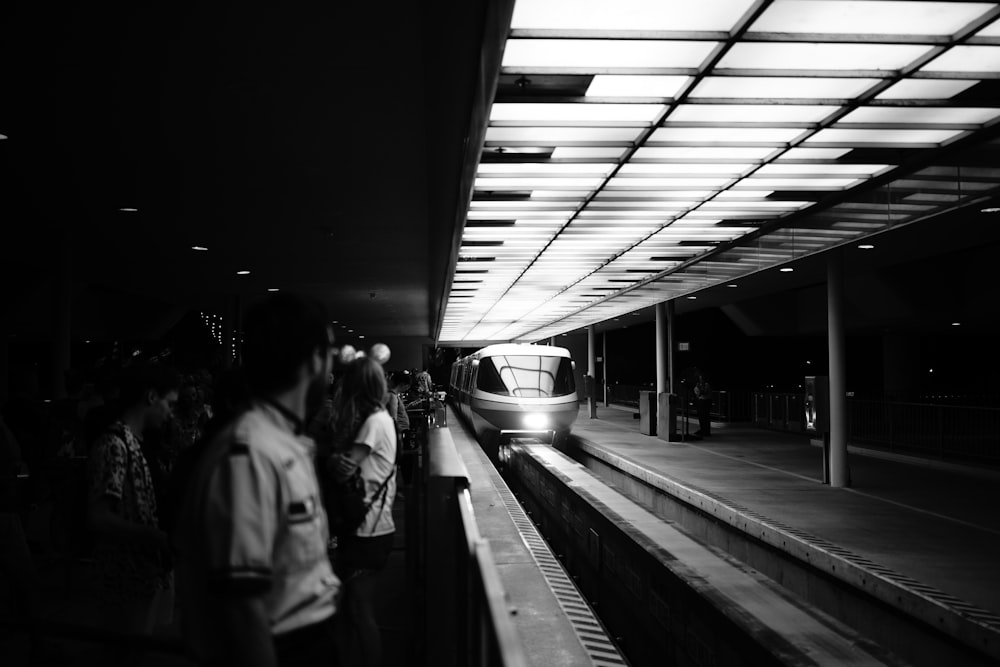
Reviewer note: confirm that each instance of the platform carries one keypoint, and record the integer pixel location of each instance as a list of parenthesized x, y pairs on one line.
[(932, 526)]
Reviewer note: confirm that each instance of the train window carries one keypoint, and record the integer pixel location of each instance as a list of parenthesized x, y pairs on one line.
[(526, 376)]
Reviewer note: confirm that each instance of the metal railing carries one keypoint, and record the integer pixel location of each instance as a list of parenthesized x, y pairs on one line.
[(929, 429), (944, 431), (726, 405), (784, 412), (466, 621)]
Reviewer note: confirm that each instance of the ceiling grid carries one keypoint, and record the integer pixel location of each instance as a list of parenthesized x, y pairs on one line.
[(644, 150)]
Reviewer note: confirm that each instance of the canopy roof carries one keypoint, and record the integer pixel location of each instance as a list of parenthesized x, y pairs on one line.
[(643, 150)]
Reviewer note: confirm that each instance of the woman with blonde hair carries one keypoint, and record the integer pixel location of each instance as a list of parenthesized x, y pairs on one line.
[(364, 441)]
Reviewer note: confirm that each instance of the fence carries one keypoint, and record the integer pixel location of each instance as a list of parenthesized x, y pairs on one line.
[(930, 429), (726, 405)]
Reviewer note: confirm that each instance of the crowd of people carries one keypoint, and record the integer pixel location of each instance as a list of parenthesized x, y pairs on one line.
[(255, 503)]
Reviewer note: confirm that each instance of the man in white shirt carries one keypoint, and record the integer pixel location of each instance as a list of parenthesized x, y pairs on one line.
[(255, 583)]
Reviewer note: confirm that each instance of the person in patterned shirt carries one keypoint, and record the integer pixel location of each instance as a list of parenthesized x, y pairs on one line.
[(130, 550)]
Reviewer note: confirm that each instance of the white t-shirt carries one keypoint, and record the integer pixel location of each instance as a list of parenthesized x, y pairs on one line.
[(379, 433)]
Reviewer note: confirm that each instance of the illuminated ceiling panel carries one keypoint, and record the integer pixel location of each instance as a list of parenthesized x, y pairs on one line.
[(694, 143)]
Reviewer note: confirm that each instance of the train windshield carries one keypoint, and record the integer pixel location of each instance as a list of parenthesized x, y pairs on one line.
[(526, 376)]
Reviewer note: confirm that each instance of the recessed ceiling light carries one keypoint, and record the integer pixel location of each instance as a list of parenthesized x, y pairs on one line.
[(199, 247), (272, 289), (866, 246), (243, 273), (956, 324), (350, 331), (692, 297), (787, 269), (128, 210), (336, 322), (732, 285), (992, 209), (361, 335)]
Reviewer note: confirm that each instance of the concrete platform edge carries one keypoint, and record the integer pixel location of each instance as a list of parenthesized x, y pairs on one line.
[(965, 622)]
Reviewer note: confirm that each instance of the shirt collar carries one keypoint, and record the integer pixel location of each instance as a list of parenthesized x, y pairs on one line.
[(293, 421)]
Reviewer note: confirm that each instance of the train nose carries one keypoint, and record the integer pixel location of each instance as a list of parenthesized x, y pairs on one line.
[(536, 420)]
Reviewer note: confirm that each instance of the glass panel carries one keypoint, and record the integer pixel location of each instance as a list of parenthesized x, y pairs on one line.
[(594, 54), (728, 135), (667, 182), (820, 56), (544, 168), (869, 17), (744, 113), (557, 135), (703, 153), (684, 168), (562, 152), (966, 59), (814, 153), (784, 168), (791, 183), (783, 87), (574, 113), (854, 137), (992, 30), (920, 115), (720, 15), (608, 85), (531, 183), (925, 89)]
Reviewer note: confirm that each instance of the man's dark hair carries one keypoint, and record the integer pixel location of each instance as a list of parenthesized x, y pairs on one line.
[(280, 334), (136, 380)]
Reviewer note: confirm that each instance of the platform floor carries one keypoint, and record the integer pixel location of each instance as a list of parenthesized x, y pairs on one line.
[(936, 523)]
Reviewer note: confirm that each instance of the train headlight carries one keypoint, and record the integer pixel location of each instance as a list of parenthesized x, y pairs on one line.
[(535, 420)]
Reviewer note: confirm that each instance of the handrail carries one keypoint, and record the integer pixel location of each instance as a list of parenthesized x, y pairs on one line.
[(464, 595)]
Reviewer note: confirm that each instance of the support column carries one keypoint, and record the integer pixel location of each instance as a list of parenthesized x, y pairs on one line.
[(604, 366), (671, 348), (62, 311), (837, 370), (552, 341), (592, 370), (661, 348)]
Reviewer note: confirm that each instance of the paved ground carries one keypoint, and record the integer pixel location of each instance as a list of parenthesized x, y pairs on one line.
[(938, 525)]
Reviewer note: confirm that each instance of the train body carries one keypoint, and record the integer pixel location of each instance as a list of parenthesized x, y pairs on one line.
[(514, 390)]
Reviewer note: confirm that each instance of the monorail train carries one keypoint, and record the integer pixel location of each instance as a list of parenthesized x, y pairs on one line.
[(513, 390)]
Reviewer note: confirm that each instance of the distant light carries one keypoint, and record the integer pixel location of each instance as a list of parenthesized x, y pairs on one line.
[(930, 370), (808, 362), (87, 341), (272, 289), (243, 273), (787, 269), (129, 210), (732, 285), (563, 334), (991, 209), (361, 335), (866, 246), (336, 322), (956, 324), (350, 331), (692, 297), (2, 137), (199, 247)]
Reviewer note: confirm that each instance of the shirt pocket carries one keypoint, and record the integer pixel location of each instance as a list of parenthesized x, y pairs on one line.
[(306, 542)]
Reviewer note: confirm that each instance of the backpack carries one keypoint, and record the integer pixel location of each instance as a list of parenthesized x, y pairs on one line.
[(344, 500)]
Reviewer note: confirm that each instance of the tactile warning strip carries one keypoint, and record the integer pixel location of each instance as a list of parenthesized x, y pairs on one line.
[(602, 651)]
